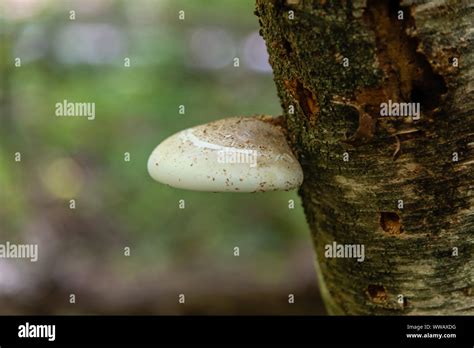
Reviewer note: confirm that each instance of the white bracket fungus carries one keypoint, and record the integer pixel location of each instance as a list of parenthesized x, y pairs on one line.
[(238, 154)]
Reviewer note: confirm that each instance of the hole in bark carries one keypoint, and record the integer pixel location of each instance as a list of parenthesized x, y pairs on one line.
[(377, 293), (428, 92), (390, 223)]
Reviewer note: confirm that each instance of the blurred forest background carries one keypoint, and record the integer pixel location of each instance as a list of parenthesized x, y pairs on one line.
[(173, 251)]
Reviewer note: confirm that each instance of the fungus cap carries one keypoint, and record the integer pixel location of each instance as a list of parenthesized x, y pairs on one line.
[(238, 154)]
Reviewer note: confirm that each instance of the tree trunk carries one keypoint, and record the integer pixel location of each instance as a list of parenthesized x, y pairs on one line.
[(401, 187)]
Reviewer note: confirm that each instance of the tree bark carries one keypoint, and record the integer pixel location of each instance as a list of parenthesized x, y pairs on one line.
[(402, 188)]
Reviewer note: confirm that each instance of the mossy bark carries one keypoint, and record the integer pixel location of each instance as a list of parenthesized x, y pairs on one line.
[(401, 187)]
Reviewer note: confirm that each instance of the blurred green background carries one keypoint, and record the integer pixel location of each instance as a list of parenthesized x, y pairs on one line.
[(174, 251)]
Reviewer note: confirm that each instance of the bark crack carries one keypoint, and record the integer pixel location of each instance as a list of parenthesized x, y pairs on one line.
[(305, 99)]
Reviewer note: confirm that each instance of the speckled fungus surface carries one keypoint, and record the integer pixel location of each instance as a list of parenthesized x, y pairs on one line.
[(238, 154)]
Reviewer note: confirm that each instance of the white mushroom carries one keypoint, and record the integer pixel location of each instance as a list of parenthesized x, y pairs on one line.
[(238, 154)]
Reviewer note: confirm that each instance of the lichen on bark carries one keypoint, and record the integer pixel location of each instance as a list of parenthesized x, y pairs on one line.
[(411, 265)]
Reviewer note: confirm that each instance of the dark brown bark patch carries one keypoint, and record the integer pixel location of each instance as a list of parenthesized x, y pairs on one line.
[(305, 99), (409, 76), (390, 223), (377, 293)]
